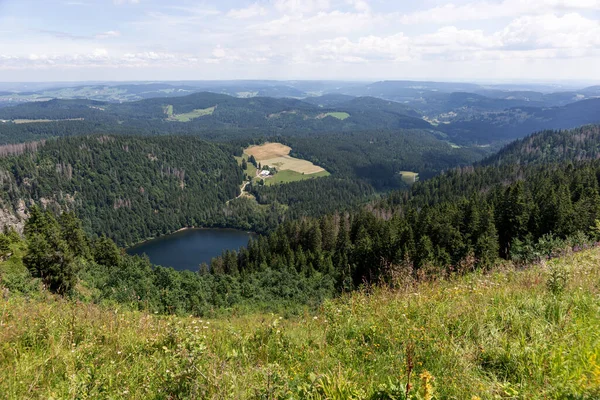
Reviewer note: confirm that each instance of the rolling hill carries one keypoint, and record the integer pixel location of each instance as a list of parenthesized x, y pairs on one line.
[(267, 113), (515, 123)]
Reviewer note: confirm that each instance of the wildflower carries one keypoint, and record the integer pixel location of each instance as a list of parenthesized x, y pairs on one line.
[(426, 386), (315, 318)]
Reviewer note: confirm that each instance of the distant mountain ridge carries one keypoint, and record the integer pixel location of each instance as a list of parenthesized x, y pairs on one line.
[(229, 113)]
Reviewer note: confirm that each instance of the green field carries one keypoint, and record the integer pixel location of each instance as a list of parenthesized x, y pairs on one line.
[(168, 110), (508, 334), (251, 169), (287, 176), (339, 115), (409, 177), (284, 176), (187, 117)]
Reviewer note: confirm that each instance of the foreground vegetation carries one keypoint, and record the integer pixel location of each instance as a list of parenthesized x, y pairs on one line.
[(514, 334)]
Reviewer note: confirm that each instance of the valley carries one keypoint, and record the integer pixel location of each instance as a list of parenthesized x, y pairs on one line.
[(316, 228), (300, 200)]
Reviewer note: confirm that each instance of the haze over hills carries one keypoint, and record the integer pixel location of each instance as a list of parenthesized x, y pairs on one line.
[(463, 118), (400, 91)]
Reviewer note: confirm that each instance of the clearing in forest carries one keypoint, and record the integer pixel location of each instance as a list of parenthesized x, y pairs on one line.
[(276, 155), (339, 115), (31, 121), (409, 177), (187, 117)]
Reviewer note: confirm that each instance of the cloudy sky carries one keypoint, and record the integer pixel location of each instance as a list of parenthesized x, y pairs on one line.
[(493, 40)]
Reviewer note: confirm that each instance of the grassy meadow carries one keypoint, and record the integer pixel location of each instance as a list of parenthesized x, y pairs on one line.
[(289, 169), (409, 177), (338, 115), (509, 334), (287, 176), (187, 117)]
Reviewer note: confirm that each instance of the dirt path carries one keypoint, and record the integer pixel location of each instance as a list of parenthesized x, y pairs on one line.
[(242, 191)]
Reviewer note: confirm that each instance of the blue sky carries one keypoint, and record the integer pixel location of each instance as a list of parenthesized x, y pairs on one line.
[(495, 40)]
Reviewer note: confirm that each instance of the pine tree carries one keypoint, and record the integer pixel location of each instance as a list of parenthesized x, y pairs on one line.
[(48, 255), (4, 245), (72, 232), (106, 252)]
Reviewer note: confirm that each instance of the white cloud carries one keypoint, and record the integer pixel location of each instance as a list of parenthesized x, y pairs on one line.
[(108, 35), (100, 53), (396, 47), (484, 10), (539, 37), (571, 31), (119, 2), (271, 36), (219, 52), (359, 5), (333, 22), (254, 10), (301, 6)]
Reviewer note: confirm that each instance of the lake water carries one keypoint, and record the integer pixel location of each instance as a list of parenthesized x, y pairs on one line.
[(189, 248)]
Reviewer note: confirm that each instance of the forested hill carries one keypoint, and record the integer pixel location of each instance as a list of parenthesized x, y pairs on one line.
[(212, 115), (464, 219), (516, 122), (540, 154), (551, 146), (201, 111), (128, 188)]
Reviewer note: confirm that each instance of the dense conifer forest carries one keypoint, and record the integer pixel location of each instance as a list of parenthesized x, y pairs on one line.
[(465, 219)]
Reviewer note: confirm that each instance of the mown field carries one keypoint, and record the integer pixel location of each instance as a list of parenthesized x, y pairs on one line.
[(290, 169), (409, 177), (293, 176), (187, 117), (338, 115), (510, 334)]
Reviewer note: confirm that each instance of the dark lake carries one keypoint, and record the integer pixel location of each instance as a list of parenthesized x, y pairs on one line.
[(189, 248)]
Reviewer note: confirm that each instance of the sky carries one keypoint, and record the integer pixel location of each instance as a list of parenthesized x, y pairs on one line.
[(465, 40)]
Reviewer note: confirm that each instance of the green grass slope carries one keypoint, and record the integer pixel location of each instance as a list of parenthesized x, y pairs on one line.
[(510, 334)]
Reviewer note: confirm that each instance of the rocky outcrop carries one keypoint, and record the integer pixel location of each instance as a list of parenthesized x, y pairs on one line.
[(13, 218)]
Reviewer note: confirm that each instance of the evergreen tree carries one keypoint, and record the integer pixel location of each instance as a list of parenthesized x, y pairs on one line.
[(106, 252), (4, 245), (49, 256)]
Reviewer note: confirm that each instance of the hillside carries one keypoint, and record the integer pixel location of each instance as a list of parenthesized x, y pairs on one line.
[(514, 123), (129, 188), (460, 117), (123, 185), (507, 334), (273, 114), (551, 146), (465, 286)]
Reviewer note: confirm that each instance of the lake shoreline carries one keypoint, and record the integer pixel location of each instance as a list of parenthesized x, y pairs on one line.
[(189, 247), (187, 228)]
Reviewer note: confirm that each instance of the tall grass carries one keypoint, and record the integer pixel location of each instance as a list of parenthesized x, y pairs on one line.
[(510, 334)]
